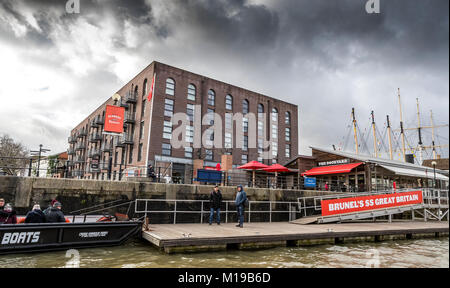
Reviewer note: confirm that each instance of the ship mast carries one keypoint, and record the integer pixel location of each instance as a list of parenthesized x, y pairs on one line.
[(354, 130), (389, 137), (420, 134), (402, 131), (432, 136), (375, 149)]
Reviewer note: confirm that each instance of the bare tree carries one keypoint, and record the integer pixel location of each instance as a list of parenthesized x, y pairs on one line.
[(13, 155)]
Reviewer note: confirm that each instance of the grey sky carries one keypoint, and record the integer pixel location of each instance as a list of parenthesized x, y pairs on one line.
[(326, 56)]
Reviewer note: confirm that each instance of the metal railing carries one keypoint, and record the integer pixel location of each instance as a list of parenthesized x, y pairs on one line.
[(229, 204)]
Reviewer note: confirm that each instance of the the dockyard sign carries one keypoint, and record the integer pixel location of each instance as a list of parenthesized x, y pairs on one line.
[(114, 116), (366, 203), (334, 162)]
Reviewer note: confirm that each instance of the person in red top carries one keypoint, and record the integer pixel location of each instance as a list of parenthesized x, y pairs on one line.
[(326, 186), (9, 215)]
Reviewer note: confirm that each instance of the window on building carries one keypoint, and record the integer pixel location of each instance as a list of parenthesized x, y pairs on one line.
[(274, 115), (141, 130), (209, 137), (136, 91), (288, 134), (244, 159), (274, 149), (245, 107), (228, 121), (144, 88), (245, 146), (191, 92), (166, 149), (130, 155), (143, 108), (209, 155), (189, 134), (188, 152), (274, 131), (170, 86), (116, 157), (260, 128), (122, 158), (228, 140), (260, 108), (190, 112), (288, 151), (168, 108), (260, 159), (229, 102), (287, 118), (211, 97), (167, 131), (245, 125), (210, 116), (140, 152), (260, 146)]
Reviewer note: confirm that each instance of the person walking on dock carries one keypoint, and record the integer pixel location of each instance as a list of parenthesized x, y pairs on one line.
[(216, 200), (241, 198)]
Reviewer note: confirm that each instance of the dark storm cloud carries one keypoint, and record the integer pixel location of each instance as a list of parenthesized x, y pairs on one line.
[(323, 55)]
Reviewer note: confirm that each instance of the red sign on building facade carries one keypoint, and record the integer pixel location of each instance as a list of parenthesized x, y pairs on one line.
[(114, 116), (365, 203)]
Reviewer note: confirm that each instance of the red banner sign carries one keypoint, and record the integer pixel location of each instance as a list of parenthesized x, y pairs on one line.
[(114, 119), (365, 203)]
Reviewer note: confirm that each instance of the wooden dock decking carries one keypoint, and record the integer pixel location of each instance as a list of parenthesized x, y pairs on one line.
[(174, 238)]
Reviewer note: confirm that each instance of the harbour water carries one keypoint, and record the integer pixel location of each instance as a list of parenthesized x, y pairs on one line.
[(420, 253)]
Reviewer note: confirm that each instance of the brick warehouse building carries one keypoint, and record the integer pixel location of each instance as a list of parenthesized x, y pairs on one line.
[(176, 91)]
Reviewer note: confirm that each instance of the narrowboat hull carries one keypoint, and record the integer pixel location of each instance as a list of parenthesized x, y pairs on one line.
[(21, 238)]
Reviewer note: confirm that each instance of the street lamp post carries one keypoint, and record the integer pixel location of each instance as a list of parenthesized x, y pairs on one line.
[(41, 150), (116, 98), (434, 173)]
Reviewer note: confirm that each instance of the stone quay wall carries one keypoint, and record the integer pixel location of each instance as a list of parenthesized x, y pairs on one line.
[(74, 194)]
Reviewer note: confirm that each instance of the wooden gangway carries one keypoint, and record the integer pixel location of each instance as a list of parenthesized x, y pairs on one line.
[(173, 238)]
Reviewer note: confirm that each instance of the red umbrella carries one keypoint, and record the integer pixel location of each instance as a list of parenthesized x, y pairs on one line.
[(253, 165), (276, 168)]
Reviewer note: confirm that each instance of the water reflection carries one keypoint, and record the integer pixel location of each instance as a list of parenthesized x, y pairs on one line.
[(137, 254)]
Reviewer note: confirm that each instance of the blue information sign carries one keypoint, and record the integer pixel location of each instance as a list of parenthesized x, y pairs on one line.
[(310, 182)]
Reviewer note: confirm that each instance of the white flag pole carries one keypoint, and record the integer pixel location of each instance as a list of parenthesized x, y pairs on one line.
[(150, 120)]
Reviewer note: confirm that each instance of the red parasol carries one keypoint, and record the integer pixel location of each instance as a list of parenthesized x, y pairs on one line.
[(276, 168), (253, 165)]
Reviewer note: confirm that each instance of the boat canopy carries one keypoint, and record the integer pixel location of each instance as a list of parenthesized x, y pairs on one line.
[(415, 173)]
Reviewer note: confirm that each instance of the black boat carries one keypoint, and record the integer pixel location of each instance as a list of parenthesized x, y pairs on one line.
[(20, 238)]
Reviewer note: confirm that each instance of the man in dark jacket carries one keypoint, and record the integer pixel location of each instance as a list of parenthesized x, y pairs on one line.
[(55, 214), (50, 207), (215, 199), (241, 198), (36, 215)]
